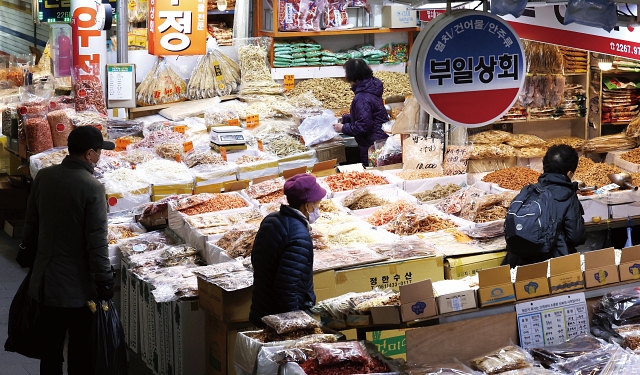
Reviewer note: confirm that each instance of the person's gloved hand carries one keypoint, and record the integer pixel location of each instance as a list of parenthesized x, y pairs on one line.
[(105, 289)]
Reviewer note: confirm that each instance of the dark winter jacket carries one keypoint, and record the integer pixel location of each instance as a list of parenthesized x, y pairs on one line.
[(67, 213), (282, 259), (568, 213), (367, 114)]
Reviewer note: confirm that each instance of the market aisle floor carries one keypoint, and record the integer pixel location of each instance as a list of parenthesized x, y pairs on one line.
[(11, 275)]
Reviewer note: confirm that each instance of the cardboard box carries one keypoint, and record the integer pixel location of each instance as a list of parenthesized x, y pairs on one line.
[(159, 362), (566, 274), (13, 198), (133, 312), (14, 228), (152, 334), (630, 263), (495, 286), (456, 268), (336, 152), (220, 342), (167, 333), (462, 299), (391, 343), (324, 285), (600, 268), (399, 16), (222, 305), (417, 301), (188, 338), (142, 319), (392, 274), (532, 281), (385, 315)]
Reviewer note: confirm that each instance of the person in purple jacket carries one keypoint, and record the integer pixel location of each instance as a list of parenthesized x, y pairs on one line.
[(367, 113)]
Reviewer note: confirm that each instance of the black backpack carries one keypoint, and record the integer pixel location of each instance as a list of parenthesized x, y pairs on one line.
[(530, 226)]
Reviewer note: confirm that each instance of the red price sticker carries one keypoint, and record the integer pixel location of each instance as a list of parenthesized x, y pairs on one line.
[(83, 93), (233, 122), (223, 153), (113, 201), (260, 145), (121, 144), (180, 128), (253, 121), (178, 158), (188, 146), (301, 140), (289, 80), (60, 127), (52, 105)]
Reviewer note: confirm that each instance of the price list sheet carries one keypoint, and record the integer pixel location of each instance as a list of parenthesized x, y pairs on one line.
[(552, 321)]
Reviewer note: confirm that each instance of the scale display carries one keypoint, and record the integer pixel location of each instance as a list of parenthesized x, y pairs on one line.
[(227, 138), (52, 11)]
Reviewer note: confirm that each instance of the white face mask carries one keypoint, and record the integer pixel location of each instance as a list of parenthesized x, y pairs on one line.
[(314, 215)]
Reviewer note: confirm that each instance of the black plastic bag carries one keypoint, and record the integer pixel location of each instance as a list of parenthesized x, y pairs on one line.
[(108, 346), (24, 330)]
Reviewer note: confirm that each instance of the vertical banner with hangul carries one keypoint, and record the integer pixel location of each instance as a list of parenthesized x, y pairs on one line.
[(177, 27)]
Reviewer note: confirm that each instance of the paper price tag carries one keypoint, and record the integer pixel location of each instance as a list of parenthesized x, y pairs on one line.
[(289, 80), (260, 145), (233, 122), (456, 304), (180, 128), (217, 71), (121, 144), (253, 121), (223, 153), (188, 146), (607, 188)]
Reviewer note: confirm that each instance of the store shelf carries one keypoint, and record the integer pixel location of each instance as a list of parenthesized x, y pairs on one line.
[(619, 123), (217, 12), (354, 31), (540, 120), (307, 72)]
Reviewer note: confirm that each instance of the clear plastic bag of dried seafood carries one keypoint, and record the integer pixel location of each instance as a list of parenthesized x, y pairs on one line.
[(254, 67), (290, 321), (150, 241), (87, 87), (90, 118), (220, 116), (505, 359), (60, 125), (214, 75), (53, 156), (161, 85)]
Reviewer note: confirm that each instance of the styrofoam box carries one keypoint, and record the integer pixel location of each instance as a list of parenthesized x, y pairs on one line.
[(117, 202), (623, 203), (626, 165), (417, 186), (194, 237), (215, 255), (393, 182), (593, 208), (177, 219), (531, 163), (392, 194), (250, 171)]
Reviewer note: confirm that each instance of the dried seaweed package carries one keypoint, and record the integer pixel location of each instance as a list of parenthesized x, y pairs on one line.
[(161, 85), (290, 322)]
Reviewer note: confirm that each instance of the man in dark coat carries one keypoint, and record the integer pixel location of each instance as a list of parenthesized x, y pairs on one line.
[(67, 217), (559, 164), (367, 113), (282, 255)]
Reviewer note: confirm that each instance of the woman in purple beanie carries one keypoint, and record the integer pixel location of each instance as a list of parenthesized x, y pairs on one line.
[(282, 255)]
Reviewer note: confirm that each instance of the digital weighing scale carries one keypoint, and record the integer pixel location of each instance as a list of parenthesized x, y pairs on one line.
[(229, 137)]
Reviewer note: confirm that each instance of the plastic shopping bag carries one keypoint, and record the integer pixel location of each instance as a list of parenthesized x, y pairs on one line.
[(108, 345), (24, 330), (318, 129)]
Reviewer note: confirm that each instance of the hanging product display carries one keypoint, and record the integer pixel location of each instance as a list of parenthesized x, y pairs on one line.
[(161, 85)]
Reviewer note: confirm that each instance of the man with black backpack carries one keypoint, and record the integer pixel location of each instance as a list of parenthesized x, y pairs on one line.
[(545, 219)]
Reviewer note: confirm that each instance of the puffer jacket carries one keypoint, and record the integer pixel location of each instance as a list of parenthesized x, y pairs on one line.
[(282, 259), (568, 213), (366, 116), (67, 213)]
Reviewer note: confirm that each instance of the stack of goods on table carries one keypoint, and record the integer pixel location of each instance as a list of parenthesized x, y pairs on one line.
[(619, 100), (213, 5), (574, 104), (222, 33), (584, 354), (626, 65), (305, 52), (575, 60), (294, 343), (396, 53)]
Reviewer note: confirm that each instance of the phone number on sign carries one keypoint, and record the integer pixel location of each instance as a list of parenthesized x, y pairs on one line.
[(626, 48)]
